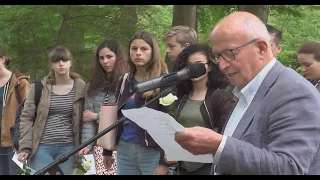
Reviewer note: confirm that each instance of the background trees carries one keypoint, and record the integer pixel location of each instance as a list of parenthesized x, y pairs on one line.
[(30, 32)]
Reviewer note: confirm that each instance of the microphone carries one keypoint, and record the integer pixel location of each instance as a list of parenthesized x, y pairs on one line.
[(189, 72)]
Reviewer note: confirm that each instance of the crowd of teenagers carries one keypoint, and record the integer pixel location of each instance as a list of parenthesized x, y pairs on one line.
[(253, 114)]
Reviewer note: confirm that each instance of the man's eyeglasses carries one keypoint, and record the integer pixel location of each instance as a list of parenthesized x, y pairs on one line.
[(228, 55)]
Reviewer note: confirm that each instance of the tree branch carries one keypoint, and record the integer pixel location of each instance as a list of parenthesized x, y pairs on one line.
[(60, 28), (101, 16), (35, 41), (75, 7)]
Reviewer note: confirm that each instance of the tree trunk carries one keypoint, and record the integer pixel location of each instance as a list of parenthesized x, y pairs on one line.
[(183, 15), (261, 11), (128, 16), (72, 38)]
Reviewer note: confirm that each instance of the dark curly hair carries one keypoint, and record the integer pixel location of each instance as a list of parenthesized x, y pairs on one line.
[(216, 79)]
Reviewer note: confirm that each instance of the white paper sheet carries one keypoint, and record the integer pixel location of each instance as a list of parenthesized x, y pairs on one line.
[(93, 166), (162, 128), (20, 164)]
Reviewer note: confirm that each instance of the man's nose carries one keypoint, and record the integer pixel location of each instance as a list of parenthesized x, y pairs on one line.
[(223, 64), (167, 50)]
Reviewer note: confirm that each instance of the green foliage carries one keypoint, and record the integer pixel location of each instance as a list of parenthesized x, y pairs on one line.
[(288, 58), (295, 11), (25, 171), (80, 170), (298, 24), (172, 110), (172, 169), (30, 32), (209, 16), (156, 19), (83, 166)]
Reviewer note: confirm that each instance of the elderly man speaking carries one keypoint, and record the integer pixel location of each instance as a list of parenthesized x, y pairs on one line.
[(275, 126)]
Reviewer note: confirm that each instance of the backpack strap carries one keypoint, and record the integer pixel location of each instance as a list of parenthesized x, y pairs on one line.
[(122, 85), (38, 92), (37, 95)]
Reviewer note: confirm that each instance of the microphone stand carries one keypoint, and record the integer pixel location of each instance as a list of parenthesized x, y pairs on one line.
[(54, 165)]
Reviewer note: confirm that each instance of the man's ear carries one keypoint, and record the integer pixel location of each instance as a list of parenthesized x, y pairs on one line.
[(186, 45), (263, 46), (3, 59), (279, 48)]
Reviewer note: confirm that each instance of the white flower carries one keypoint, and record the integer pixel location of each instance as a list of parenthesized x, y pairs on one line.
[(168, 100), (86, 165)]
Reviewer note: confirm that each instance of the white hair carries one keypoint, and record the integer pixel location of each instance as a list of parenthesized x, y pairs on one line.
[(256, 29)]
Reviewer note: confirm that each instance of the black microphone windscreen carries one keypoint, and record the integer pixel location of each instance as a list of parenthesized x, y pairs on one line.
[(196, 70)]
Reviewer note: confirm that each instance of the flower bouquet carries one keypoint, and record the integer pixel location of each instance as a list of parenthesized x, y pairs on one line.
[(84, 167)]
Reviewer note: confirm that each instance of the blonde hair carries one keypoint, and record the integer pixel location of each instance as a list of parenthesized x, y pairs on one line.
[(183, 34), (57, 54)]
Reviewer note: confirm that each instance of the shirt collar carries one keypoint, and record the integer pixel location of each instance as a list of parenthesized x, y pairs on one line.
[(250, 90)]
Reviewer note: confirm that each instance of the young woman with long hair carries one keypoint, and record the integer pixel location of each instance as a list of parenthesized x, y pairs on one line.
[(14, 89), (56, 129), (137, 152), (109, 64)]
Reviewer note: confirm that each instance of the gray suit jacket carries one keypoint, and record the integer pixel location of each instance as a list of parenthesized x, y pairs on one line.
[(280, 131)]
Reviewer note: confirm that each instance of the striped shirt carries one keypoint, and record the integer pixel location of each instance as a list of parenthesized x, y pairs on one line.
[(109, 98), (5, 92), (58, 128)]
